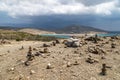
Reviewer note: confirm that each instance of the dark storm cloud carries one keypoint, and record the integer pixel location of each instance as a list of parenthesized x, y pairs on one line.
[(48, 7)]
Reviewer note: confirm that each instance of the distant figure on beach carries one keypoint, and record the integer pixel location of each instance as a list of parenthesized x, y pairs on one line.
[(96, 36), (86, 34)]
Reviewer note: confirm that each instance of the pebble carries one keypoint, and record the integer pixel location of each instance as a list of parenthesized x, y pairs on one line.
[(76, 63), (93, 78), (32, 72), (69, 64), (49, 66)]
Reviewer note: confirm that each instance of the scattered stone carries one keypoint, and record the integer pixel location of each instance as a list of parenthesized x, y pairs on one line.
[(64, 41), (65, 47), (43, 55), (35, 49), (41, 51), (57, 41), (103, 57), (76, 52), (92, 60), (21, 48), (69, 64), (49, 66), (3, 41), (37, 54), (76, 63), (115, 37), (114, 58), (48, 55), (61, 71), (110, 67), (96, 50), (95, 38), (93, 78), (60, 52), (96, 60), (8, 51), (32, 72), (107, 42), (117, 52), (27, 63), (21, 77), (46, 45), (113, 45), (46, 50), (11, 70)]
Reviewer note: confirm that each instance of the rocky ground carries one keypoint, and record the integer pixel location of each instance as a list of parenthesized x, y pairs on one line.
[(59, 62)]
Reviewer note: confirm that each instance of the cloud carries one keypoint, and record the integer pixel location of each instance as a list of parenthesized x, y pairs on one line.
[(16, 8)]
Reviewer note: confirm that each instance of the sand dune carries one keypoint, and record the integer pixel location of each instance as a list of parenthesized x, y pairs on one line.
[(35, 31)]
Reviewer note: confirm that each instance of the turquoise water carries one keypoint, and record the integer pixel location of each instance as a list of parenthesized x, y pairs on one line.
[(57, 36), (110, 34)]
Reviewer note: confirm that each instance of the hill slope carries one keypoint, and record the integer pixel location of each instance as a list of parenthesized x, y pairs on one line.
[(76, 29), (50, 30)]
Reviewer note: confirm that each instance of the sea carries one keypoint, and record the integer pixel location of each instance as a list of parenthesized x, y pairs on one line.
[(62, 36), (109, 34), (65, 36)]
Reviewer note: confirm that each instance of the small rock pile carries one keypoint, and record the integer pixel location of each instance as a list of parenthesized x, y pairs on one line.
[(92, 60), (96, 50), (94, 38), (46, 45), (3, 41), (29, 57)]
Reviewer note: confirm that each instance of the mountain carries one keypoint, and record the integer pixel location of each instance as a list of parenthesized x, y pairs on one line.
[(75, 29), (68, 29)]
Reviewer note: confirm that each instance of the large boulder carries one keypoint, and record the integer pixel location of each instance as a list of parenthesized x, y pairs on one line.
[(69, 43), (72, 43), (76, 44)]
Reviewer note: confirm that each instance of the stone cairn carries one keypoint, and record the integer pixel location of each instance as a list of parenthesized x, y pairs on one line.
[(46, 50), (94, 39), (54, 44), (57, 41), (113, 45), (92, 60), (29, 56), (103, 70)]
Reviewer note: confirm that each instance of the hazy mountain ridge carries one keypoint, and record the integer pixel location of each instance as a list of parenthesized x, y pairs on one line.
[(76, 29), (67, 29)]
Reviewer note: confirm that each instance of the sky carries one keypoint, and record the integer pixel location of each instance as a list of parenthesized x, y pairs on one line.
[(103, 14)]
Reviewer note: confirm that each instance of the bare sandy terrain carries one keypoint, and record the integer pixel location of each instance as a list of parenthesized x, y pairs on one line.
[(35, 31), (62, 59)]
